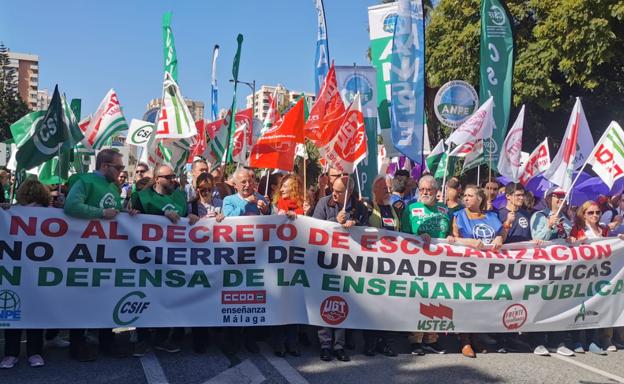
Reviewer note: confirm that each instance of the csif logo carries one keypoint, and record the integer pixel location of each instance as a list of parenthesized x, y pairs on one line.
[(130, 307), (10, 306)]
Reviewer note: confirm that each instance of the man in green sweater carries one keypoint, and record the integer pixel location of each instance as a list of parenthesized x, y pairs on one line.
[(95, 196), (428, 219)]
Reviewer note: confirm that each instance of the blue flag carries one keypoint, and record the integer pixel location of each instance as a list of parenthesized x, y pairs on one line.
[(214, 105), (407, 80), (322, 49)]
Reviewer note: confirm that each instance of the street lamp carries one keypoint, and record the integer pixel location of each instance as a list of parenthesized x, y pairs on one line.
[(252, 86)]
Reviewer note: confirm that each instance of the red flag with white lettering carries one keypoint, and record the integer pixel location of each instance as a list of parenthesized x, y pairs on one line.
[(348, 146), (326, 113), (275, 148)]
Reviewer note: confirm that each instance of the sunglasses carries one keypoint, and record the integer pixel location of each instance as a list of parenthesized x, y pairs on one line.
[(168, 177), (117, 167), (592, 213)]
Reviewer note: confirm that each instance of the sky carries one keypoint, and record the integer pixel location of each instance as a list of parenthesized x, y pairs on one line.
[(88, 47)]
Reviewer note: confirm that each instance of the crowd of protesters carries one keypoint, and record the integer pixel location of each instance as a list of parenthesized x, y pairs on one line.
[(466, 215)]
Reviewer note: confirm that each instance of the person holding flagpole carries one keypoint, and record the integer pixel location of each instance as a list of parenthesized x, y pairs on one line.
[(342, 207)]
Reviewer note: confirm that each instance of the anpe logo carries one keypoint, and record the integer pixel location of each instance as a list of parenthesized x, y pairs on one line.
[(334, 310), (515, 316), (129, 307), (243, 297), (10, 306)]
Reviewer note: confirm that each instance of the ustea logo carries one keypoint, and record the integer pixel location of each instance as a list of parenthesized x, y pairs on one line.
[(441, 318), (334, 310), (129, 308), (10, 306), (515, 316)]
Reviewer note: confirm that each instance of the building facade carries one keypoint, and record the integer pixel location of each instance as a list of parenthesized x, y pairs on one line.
[(27, 72), (284, 98)]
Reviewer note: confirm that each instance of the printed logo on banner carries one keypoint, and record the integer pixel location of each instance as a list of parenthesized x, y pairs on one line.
[(243, 307), (129, 308), (438, 315), (10, 306), (515, 316), (142, 134), (585, 314), (334, 310), (357, 83), (389, 21), (243, 297)]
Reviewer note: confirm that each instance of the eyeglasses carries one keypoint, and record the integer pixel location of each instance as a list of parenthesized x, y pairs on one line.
[(592, 213), (117, 167), (168, 177)]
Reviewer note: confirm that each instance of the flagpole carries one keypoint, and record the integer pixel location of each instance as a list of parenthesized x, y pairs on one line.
[(478, 174), (444, 178), (304, 179), (569, 193), (266, 187), (344, 205), (58, 168), (357, 175)]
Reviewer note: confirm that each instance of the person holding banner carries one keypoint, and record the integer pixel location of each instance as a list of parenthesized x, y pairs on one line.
[(95, 196), (333, 208), (246, 202), (205, 204), (288, 200), (383, 215), (30, 193), (475, 227), (428, 219), (163, 199)]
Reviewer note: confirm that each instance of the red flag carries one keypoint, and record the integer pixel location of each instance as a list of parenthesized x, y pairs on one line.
[(276, 147), (348, 145), (199, 147), (326, 113)]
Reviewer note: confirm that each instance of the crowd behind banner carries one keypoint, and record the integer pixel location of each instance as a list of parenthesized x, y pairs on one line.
[(483, 218)]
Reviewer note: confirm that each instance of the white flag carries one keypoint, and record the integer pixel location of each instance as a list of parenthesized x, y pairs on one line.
[(139, 132), (107, 120), (607, 159), (575, 148), (174, 120), (510, 155), (537, 162), (478, 126)]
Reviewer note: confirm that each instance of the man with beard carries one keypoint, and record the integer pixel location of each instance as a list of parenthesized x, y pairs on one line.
[(163, 199), (95, 196), (428, 219)]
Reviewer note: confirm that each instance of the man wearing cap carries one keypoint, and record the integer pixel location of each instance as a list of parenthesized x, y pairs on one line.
[(547, 224)]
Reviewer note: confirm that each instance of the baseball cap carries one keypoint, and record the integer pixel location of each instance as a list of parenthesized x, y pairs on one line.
[(555, 191)]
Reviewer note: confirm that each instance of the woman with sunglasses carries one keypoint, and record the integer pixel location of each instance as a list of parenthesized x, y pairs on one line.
[(587, 226), (205, 205)]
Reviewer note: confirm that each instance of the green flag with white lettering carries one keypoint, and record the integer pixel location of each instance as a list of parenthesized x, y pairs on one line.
[(55, 133), (171, 59), (232, 121)]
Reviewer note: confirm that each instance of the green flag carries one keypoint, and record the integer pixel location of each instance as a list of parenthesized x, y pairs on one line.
[(232, 122), (171, 59), (53, 172), (23, 128), (496, 67), (55, 133)]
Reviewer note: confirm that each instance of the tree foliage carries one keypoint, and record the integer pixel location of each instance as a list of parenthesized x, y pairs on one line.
[(564, 49), (12, 107)]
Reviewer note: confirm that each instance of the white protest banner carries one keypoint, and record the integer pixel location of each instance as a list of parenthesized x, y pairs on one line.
[(144, 271)]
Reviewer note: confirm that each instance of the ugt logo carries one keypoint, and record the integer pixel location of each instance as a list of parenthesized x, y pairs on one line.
[(10, 306)]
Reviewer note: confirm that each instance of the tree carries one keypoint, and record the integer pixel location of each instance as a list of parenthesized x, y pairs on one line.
[(12, 107), (564, 49)]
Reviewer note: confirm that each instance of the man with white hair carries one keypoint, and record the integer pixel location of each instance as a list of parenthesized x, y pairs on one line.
[(428, 219)]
